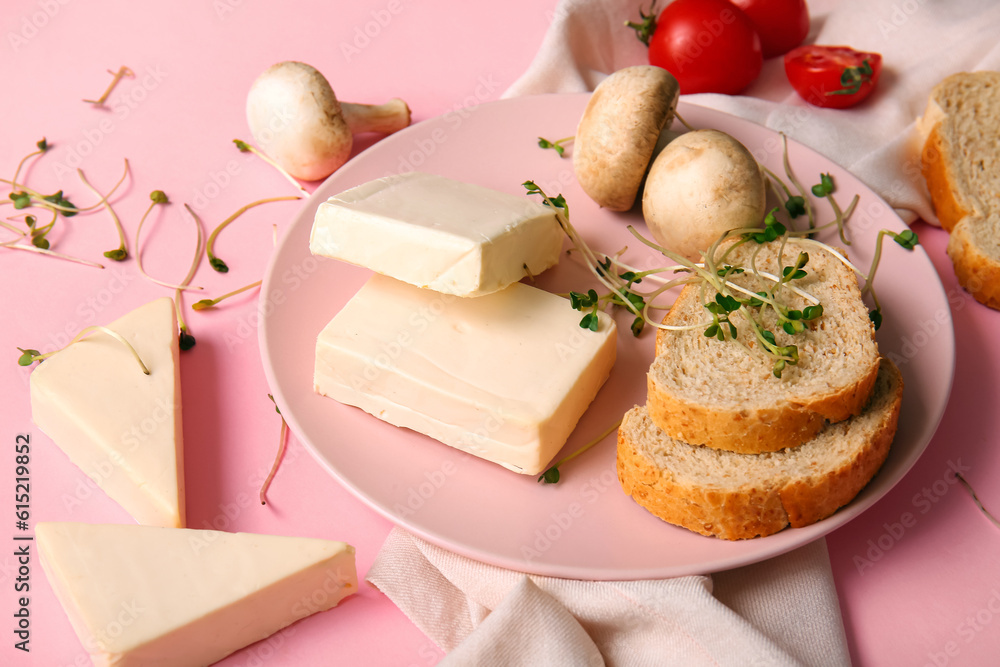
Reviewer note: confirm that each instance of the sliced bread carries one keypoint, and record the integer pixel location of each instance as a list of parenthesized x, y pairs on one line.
[(739, 496), (720, 394), (961, 164)]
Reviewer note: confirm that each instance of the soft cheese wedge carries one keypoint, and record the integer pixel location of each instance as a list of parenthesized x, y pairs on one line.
[(504, 376), (121, 427), (144, 595), (435, 232)]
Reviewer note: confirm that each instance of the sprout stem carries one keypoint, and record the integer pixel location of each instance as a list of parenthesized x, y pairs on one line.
[(138, 247), (187, 341), (121, 252), (795, 181), (683, 122), (92, 329), (39, 200), (50, 253), (589, 445), (282, 446), (244, 147), (217, 263), (27, 157), (975, 498), (209, 303), (122, 72)]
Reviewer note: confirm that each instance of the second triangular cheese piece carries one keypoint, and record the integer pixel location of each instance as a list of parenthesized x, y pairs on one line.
[(121, 427), (143, 595)]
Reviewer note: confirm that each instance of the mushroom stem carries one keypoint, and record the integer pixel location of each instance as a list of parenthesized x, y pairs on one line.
[(384, 118)]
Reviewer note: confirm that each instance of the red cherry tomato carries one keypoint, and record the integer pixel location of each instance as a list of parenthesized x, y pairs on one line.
[(832, 76), (781, 24), (709, 45)]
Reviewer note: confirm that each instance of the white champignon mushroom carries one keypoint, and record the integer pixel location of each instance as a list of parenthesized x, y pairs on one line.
[(617, 134), (297, 120), (703, 184)]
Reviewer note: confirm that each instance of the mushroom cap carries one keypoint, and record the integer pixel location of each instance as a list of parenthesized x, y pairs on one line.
[(700, 186), (296, 119), (617, 133)]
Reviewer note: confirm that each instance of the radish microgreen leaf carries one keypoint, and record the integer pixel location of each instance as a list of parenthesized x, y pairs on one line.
[(824, 187), (557, 146), (60, 200), (550, 476), (795, 206), (27, 356), (906, 238)]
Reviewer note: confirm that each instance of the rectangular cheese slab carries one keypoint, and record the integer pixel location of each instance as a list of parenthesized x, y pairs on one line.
[(435, 232), (147, 596), (504, 376)]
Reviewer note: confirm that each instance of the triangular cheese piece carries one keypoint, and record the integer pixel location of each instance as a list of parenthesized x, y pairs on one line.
[(143, 595), (121, 427)]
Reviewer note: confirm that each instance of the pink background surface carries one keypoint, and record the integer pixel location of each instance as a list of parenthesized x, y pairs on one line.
[(924, 594)]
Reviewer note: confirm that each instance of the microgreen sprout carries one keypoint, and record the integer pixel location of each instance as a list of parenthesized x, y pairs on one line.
[(552, 476), (13, 245), (619, 286), (558, 146), (852, 78), (214, 261), (906, 239), (29, 356), (158, 197), (185, 340), (116, 77), (800, 199), (245, 147), (42, 146), (591, 302), (21, 196), (211, 303), (772, 229), (39, 244), (795, 206), (59, 202), (975, 499), (646, 25), (121, 252), (720, 310), (824, 187), (282, 446)]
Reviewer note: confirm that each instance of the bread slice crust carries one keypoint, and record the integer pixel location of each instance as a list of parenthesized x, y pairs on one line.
[(738, 496), (957, 158), (706, 392), (977, 269)]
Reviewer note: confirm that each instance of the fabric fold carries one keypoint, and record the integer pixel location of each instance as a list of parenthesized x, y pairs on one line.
[(782, 612)]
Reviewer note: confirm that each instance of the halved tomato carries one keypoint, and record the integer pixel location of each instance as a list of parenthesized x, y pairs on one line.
[(832, 76)]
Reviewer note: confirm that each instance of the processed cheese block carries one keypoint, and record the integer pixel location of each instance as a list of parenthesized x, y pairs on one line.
[(144, 595), (504, 376), (434, 232), (118, 425)]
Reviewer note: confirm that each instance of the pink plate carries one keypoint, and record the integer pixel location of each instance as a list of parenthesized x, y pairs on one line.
[(585, 527)]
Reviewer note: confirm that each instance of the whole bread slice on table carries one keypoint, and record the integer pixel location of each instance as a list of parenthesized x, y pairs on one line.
[(716, 393), (739, 496), (961, 164)]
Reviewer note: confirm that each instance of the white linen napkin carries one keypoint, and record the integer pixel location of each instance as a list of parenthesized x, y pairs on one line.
[(783, 611), (921, 42)]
